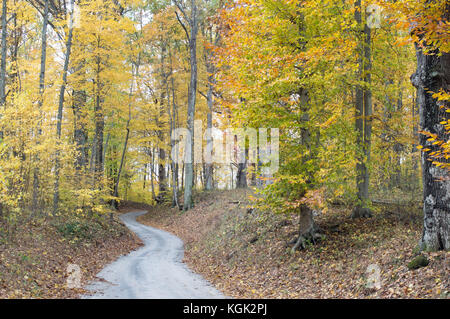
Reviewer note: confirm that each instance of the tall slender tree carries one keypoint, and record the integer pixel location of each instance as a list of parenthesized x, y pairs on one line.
[(61, 106), (363, 121), (3, 68), (3, 54), (36, 186), (191, 21)]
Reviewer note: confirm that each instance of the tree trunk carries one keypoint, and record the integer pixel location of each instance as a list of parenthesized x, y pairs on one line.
[(3, 69), (363, 122), (99, 128), (162, 173), (3, 55), (253, 175), (60, 109), (182, 175), (241, 175), (308, 230), (15, 77), (232, 176), (145, 175), (189, 182), (398, 148), (152, 167), (125, 144), (35, 203), (122, 160), (80, 134), (105, 146), (209, 140), (162, 153), (209, 147), (172, 141), (432, 75)]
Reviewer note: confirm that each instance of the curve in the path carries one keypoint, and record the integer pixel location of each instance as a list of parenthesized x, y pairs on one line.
[(153, 271)]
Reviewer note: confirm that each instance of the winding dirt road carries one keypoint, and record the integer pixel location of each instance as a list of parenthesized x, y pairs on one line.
[(153, 271)]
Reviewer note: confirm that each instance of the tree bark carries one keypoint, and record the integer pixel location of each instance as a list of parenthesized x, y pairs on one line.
[(125, 144), (99, 129), (192, 93), (36, 186), (3, 55), (15, 77), (308, 230), (162, 152), (145, 175), (363, 121), (3, 69), (151, 173), (60, 109), (241, 175), (80, 134), (209, 140), (172, 118), (433, 75)]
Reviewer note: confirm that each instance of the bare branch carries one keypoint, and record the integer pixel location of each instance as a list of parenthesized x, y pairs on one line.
[(184, 27), (182, 10)]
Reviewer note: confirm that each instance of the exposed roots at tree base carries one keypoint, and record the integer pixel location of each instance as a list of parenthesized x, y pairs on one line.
[(308, 230), (307, 239)]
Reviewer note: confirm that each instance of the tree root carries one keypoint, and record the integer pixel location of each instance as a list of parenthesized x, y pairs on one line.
[(305, 239)]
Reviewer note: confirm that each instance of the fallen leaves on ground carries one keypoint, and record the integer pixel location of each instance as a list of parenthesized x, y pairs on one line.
[(34, 259), (246, 253)]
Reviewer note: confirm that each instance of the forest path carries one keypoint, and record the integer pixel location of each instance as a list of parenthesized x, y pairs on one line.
[(153, 271)]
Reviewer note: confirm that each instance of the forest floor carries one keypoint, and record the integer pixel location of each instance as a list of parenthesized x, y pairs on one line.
[(246, 254), (34, 257)]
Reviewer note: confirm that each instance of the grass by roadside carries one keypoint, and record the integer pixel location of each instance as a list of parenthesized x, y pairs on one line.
[(245, 253), (35, 256)]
